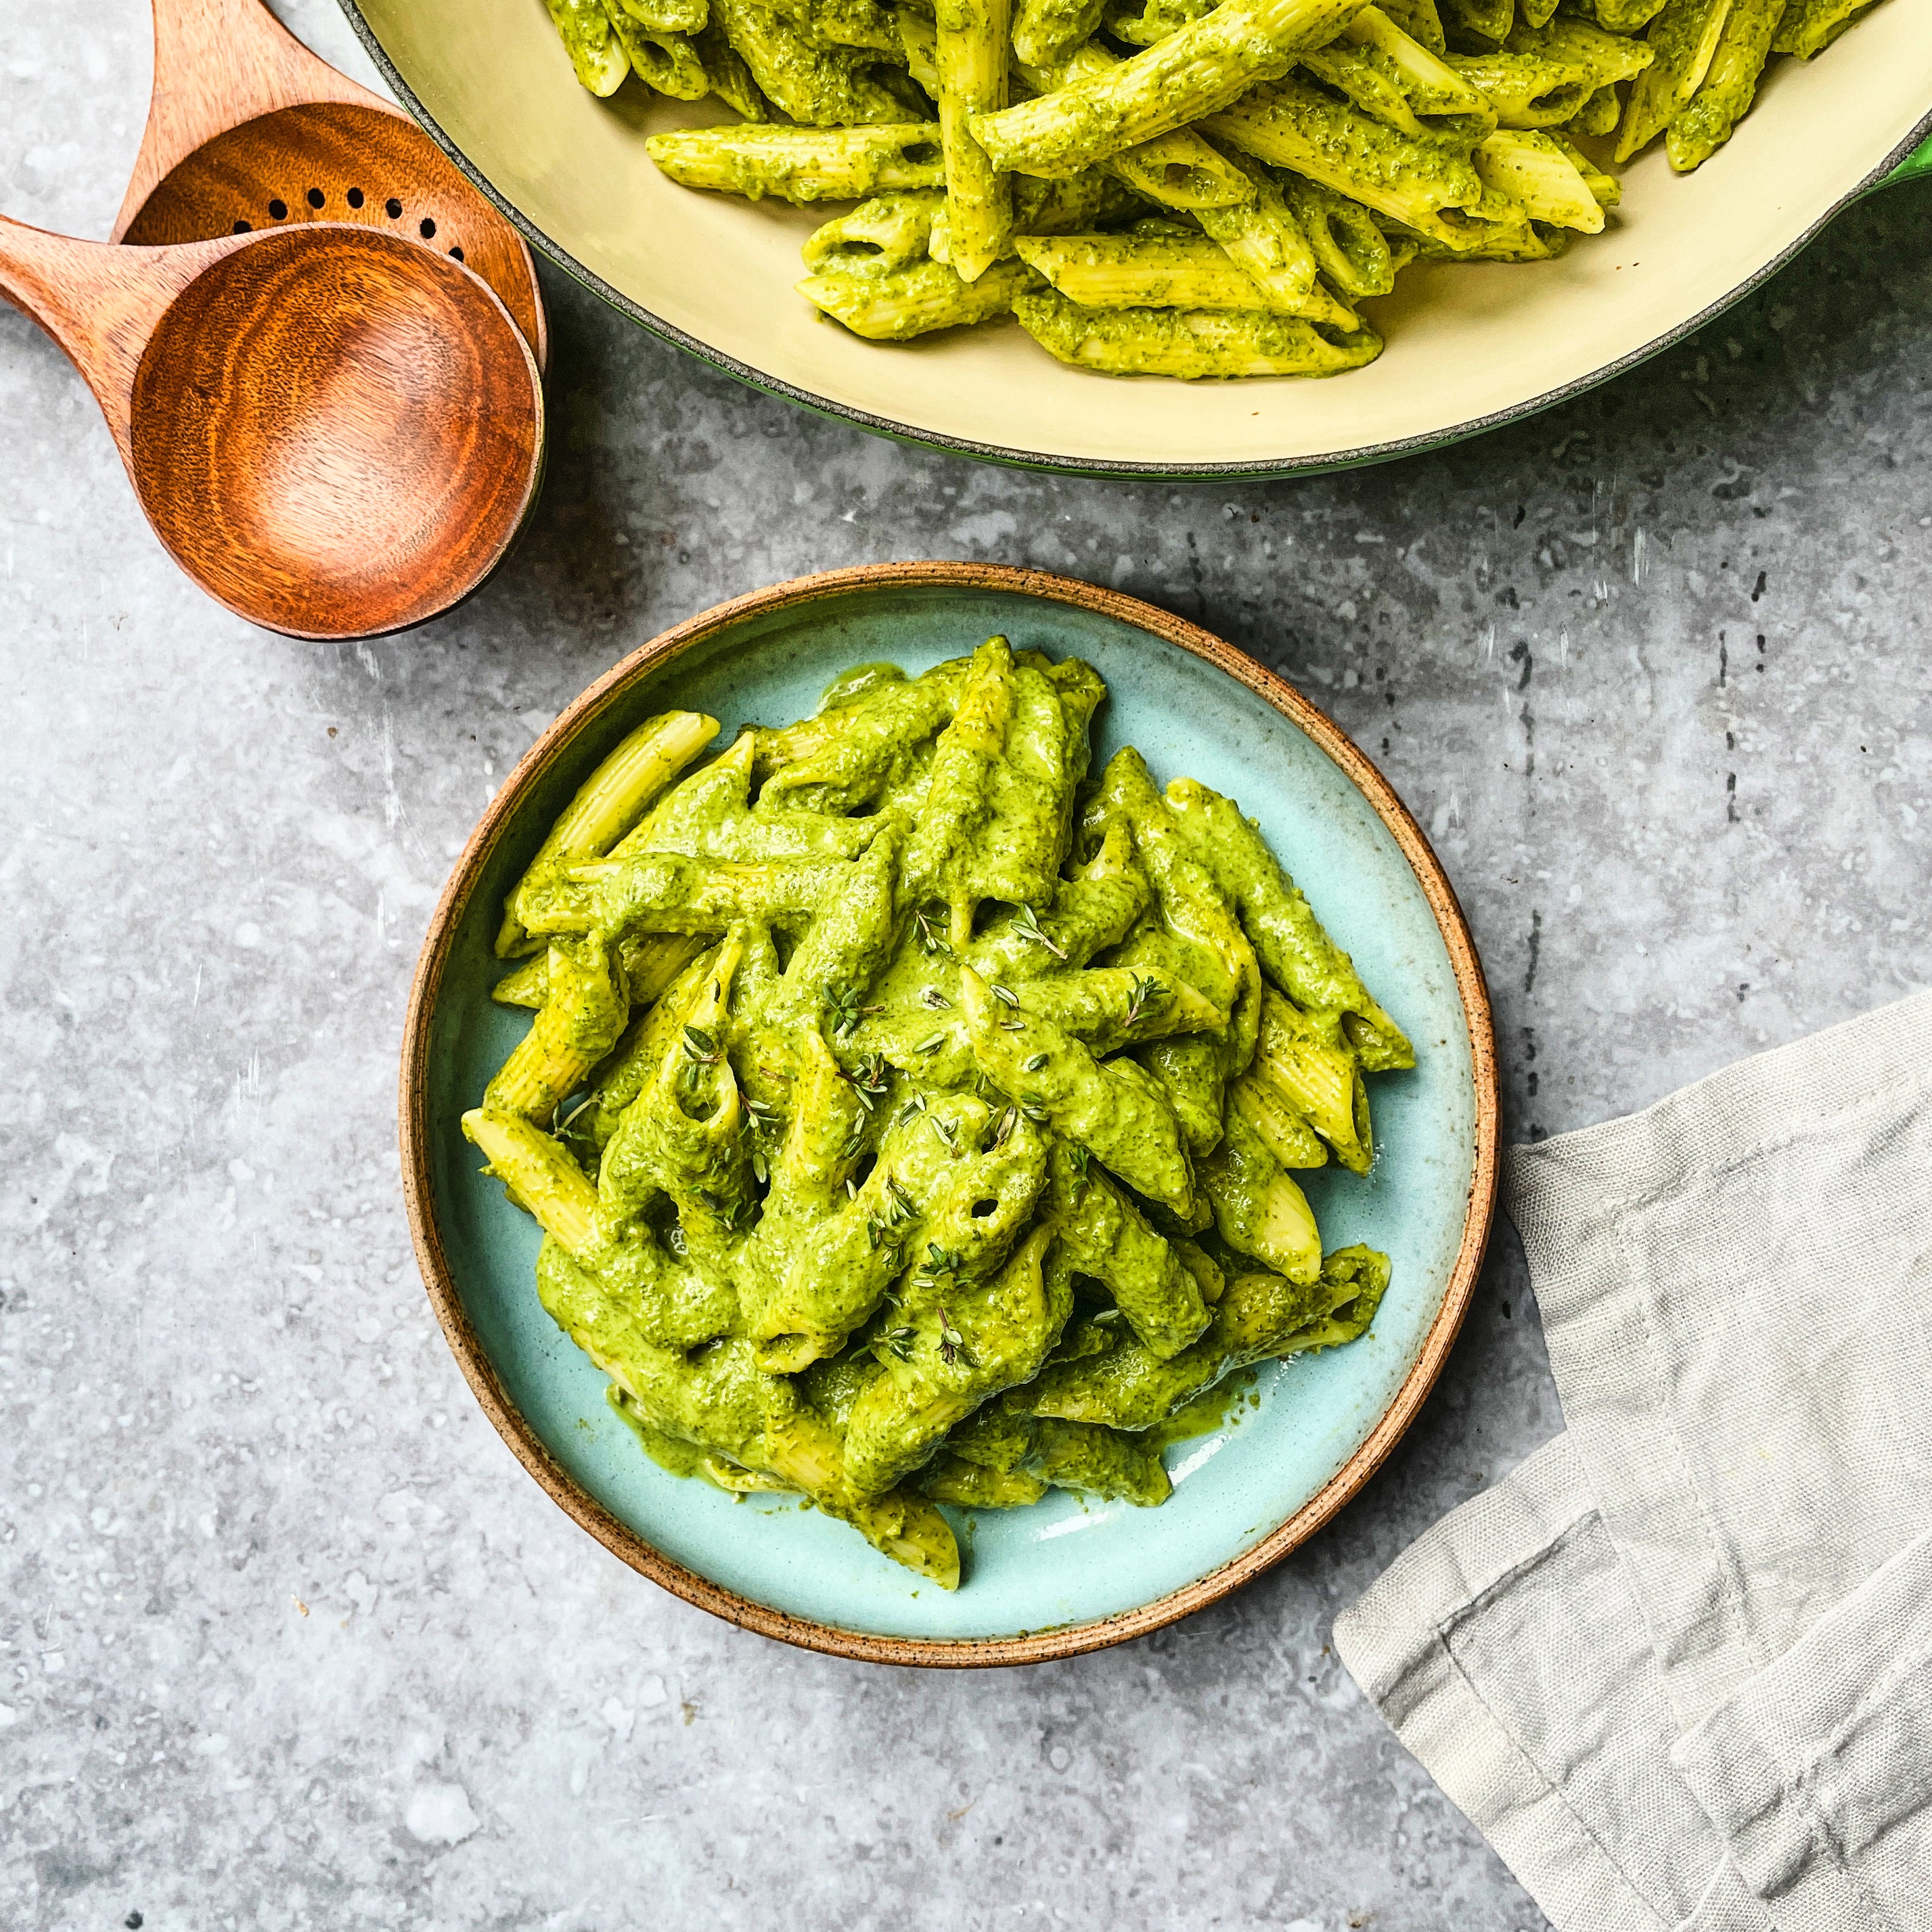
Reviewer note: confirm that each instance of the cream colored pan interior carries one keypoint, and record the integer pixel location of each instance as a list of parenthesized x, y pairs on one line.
[(1466, 343)]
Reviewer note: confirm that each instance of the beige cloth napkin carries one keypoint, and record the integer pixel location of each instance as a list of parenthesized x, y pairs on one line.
[(1678, 1666)]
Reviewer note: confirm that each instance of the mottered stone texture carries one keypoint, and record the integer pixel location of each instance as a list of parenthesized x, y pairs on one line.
[(287, 1638)]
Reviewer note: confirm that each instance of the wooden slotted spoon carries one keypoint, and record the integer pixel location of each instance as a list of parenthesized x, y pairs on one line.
[(247, 129)]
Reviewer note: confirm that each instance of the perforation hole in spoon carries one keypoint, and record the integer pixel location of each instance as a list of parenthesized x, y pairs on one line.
[(329, 162)]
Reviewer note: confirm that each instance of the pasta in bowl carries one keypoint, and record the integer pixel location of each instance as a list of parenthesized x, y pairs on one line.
[(933, 1125), (1299, 229)]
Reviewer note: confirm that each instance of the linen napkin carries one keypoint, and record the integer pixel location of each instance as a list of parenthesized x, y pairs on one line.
[(1678, 1667)]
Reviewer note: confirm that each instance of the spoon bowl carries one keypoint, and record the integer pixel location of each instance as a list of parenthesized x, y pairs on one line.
[(248, 130), (335, 432)]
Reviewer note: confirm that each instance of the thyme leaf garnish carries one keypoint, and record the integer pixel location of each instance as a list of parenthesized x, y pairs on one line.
[(1141, 994), (929, 941), (1026, 923)]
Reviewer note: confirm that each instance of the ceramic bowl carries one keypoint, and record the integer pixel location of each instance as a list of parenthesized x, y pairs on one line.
[(1066, 1575), (1470, 346)]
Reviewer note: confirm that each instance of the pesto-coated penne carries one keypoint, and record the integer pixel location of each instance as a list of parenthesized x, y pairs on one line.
[(1106, 1237), (667, 16), (889, 232), (1705, 123), (1077, 204), (1294, 950), (1429, 184), (608, 804), (804, 164), (731, 79), (848, 754), (1508, 235), (919, 41), (664, 60), (1597, 117), (1198, 926), (1109, 1008), (952, 1479), (1125, 1123), (950, 1343), (584, 1012), (1390, 140), (1124, 1385), (1145, 23), (1618, 16), (970, 59), (853, 23), (1002, 1443), (1542, 76), (1177, 170), (1192, 343), (1191, 73), (669, 1305), (720, 1400), (1481, 19), (1350, 249), (1282, 1126), (1541, 174), (819, 83), (1046, 32), (1388, 73), (997, 817), (1258, 1210), (1809, 26), (595, 51), (864, 1052), (1264, 240), (902, 303), (1093, 909), (663, 891), (1420, 20), (1143, 271), (1307, 1061), (1681, 40)]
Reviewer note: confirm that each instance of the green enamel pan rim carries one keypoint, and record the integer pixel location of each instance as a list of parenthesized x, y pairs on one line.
[(1912, 157)]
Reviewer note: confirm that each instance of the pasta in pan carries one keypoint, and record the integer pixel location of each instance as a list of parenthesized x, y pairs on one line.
[(912, 1117), (1183, 151)]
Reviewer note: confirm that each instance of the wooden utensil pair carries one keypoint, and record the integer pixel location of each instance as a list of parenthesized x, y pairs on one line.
[(335, 426)]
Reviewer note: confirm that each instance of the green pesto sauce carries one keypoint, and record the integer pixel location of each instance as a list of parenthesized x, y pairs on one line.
[(849, 1162), (675, 1458), (1212, 1409), (855, 683)]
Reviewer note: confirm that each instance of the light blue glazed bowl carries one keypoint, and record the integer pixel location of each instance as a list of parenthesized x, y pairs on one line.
[(1067, 1574)]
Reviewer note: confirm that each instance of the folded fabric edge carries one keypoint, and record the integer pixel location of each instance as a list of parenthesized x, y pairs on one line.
[(1391, 1640), (1559, 1192), (1574, 1201), (1825, 1752)]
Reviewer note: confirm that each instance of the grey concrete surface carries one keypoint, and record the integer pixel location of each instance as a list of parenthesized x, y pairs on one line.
[(287, 1639)]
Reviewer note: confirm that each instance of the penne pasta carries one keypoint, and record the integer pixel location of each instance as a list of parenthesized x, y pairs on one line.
[(971, 52), (802, 163), (1191, 73), (1319, 145), (1191, 344), (895, 305)]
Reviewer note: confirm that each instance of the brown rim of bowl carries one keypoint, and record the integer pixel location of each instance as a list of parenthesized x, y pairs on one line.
[(1069, 1640)]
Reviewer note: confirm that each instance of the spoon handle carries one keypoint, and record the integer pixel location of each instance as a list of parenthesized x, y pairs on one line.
[(100, 303), (218, 63)]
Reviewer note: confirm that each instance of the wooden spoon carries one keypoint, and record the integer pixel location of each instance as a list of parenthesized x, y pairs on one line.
[(247, 129), (334, 431)]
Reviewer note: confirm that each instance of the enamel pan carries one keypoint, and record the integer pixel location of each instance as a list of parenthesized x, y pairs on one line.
[(1470, 346)]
